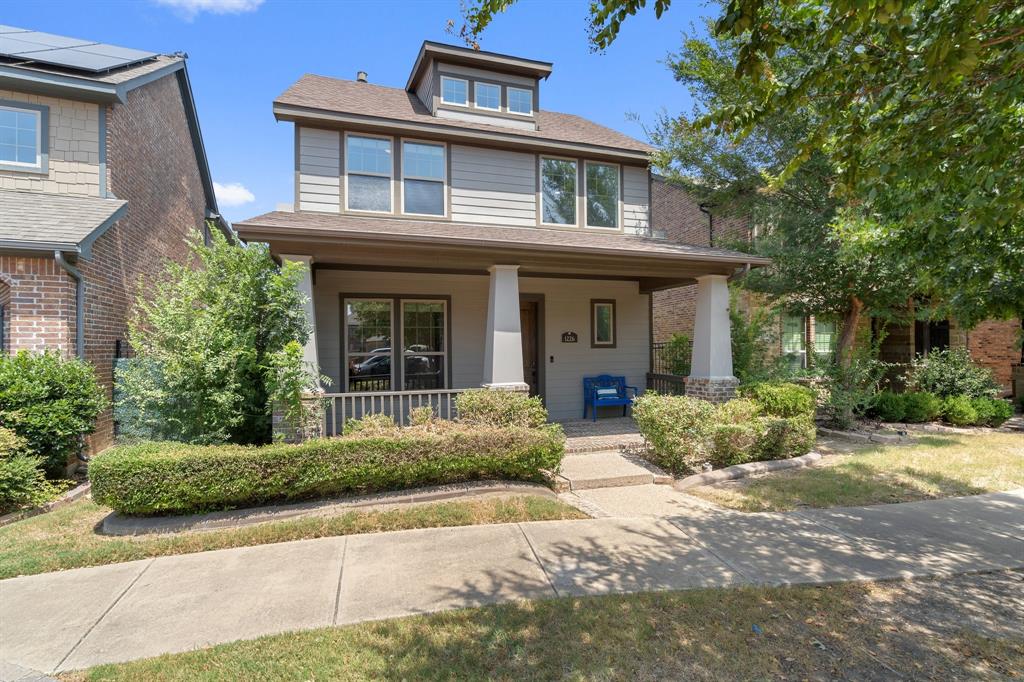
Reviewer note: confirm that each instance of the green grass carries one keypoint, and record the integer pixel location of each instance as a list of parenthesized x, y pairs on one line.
[(933, 467), (67, 538), (860, 631)]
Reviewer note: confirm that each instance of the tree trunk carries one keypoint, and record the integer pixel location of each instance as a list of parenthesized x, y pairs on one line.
[(850, 322)]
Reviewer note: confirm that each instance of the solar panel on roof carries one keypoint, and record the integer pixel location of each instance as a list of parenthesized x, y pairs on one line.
[(83, 55)]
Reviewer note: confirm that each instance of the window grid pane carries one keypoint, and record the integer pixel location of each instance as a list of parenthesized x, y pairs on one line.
[(423, 160), (793, 334), (453, 91), (602, 195), (488, 96), (824, 336), (19, 134), (368, 344), (520, 101), (558, 191), (423, 344), (368, 155)]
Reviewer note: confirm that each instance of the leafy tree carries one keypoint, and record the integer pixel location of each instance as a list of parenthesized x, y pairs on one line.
[(814, 272), (216, 347)]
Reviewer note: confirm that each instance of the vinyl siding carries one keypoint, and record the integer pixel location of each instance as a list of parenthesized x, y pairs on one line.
[(635, 200), (566, 308), (425, 89), (319, 169), (493, 186)]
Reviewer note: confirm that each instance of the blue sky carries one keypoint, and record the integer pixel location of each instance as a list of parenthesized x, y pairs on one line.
[(243, 53)]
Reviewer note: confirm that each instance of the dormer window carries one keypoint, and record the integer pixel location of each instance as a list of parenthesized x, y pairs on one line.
[(520, 101), (487, 96), (454, 91)]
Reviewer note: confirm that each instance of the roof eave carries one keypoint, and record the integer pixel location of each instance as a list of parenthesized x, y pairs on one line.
[(509, 63), (86, 89), (293, 112)]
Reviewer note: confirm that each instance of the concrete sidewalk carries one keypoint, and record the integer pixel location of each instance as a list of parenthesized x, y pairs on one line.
[(76, 619)]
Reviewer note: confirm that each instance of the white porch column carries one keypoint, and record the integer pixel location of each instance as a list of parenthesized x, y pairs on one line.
[(711, 375), (305, 287), (503, 346)]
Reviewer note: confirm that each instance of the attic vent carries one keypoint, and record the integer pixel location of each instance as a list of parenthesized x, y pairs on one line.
[(361, 76)]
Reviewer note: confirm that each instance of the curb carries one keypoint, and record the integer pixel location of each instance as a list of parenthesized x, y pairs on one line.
[(76, 493), (118, 524), (744, 470)]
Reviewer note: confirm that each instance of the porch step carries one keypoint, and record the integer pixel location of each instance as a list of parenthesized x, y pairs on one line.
[(607, 469)]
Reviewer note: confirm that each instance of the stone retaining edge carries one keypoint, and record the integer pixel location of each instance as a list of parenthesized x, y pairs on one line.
[(744, 470), (118, 524), (76, 493)]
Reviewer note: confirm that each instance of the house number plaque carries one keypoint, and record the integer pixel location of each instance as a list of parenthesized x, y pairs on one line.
[(570, 337)]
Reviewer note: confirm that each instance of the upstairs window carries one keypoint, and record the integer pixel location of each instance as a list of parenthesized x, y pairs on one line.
[(454, 91), (602, 185), (488, 96), (369, 164), (558, 191), (423, 176), (520, 101), (21, 138)]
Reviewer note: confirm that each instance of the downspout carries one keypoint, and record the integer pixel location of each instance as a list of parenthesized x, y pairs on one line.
[(79, 302), (711, 223)]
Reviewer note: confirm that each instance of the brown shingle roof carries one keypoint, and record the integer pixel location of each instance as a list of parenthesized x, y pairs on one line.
[(36, 220), (441, 232), (367, 99)]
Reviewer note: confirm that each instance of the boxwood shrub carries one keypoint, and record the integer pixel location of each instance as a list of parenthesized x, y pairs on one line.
[(782, 400), (921, 407), (176, 478), (889, 406)]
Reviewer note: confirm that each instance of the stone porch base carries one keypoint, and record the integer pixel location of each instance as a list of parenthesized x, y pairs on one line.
[(716, 390)]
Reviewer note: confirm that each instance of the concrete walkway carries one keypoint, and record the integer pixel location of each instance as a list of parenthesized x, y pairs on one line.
[(79, 618)]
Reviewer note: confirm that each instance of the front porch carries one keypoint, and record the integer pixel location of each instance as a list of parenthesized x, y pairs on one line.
[(410, 313)]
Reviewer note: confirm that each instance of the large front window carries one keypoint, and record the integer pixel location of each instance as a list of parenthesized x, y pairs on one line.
[(602, 183), (370, 348), (369, 165), (423, 173), (20, 137), (558, 191)]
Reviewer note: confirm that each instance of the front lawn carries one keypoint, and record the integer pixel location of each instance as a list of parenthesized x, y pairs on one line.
[(954, 628), (67, 538), (933, 467)]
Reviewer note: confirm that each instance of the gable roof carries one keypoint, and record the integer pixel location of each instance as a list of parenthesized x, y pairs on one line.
[(319, 96), (505, 63), (36, 221)]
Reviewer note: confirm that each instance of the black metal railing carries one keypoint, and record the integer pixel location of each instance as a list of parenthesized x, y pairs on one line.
[(667, 384)]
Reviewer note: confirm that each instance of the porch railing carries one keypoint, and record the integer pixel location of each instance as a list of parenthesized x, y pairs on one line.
[(669, 384), (340, 407)]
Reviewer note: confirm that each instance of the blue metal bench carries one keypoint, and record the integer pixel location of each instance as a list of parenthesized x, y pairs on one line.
[(607, 390)]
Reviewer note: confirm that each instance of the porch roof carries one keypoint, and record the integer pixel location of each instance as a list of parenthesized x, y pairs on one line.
[(424, 244)]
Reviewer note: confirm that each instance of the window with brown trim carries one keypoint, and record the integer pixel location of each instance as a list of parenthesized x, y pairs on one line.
[(602, 323)]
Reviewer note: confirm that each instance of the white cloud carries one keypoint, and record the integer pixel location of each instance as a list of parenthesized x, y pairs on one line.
[(190, 8), (232, 194)]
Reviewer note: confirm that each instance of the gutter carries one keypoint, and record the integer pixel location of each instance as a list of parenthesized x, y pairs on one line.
[(79, 302), (711, 223)]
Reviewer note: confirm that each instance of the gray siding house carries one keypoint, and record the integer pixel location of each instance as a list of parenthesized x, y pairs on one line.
[(459, 235)]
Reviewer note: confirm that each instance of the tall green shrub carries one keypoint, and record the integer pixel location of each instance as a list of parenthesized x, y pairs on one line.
[(676, 427), (951, 372), (217, 347), (486, 407), (753, 333), (677, 354), (51, 402)]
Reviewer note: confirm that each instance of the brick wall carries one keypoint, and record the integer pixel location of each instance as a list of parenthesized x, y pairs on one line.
[(40, 308), (151, 164), (994, 344), (74, 148)]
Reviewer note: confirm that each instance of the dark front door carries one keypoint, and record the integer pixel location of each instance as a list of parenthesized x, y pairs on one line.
[(529, 327)]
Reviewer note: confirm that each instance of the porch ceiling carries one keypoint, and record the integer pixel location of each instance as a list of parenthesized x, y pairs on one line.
[(369, 243)]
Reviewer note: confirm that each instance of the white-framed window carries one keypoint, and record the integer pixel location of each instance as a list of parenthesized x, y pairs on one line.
[(369, 344), (825, 338), (487, 96), (794, 340), (21, 137), (423, 178), (520, 100), (557, 191), (368, 173), (369, 333), (455, 91), (601, 185), (424, 344)]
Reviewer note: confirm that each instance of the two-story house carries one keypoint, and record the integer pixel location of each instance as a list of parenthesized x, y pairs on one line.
[(459, 235), (102, 176)]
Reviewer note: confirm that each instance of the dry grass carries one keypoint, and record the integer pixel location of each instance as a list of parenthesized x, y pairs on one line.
[(957, 628), (933, 467), (67, 538)]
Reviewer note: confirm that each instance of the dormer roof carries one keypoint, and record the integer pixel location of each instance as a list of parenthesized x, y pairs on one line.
[(464, 56)]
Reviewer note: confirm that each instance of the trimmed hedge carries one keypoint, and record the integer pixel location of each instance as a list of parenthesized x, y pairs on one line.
[(176, 478), (487, 407), (960, 410), (776, 422)]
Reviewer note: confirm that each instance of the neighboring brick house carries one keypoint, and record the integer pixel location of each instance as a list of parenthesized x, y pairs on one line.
[(102, 176), (993, 343)]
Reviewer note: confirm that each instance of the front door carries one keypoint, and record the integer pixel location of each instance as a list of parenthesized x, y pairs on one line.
[(529, 327)]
